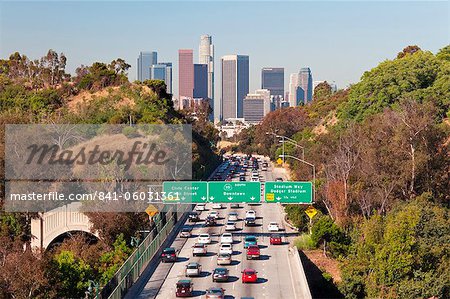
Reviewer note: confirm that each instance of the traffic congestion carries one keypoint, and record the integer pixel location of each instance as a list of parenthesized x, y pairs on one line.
[(232, 250)]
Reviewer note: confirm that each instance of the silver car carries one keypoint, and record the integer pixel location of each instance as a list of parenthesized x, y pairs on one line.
[(224, 259), (193, 269), (199, 249)]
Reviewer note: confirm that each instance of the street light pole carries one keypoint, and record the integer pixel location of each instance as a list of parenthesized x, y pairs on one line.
[(313, 168), (295, 143)]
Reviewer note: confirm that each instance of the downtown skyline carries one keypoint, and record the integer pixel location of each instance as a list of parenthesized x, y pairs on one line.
[(336, 42)]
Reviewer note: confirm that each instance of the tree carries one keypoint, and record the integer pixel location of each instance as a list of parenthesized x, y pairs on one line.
[(322, 90), (409, 50)]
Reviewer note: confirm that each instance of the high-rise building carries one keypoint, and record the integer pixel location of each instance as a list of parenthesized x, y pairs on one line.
[(272, 78), (206, 56), (144, 62), (235, 85), (305, 81), (200, 81), (256, 105), (185, 74), (162, 71), (293, 84)]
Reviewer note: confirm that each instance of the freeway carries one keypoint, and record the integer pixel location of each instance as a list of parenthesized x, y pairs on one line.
[(275, 269)]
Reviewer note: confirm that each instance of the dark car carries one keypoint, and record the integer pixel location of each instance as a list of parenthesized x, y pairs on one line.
[(210, 221), (184, 288), (220, 274), (193, 216), (242, 179), (169, 255), (250, 221)]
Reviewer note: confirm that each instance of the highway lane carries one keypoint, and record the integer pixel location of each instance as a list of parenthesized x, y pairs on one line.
[(274, 269)]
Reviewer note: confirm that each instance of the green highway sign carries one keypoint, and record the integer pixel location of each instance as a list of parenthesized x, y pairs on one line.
[(183, 191), (288, 192), (241, 192)]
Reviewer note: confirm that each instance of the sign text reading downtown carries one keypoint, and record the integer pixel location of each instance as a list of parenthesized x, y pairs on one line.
[(237, 192)]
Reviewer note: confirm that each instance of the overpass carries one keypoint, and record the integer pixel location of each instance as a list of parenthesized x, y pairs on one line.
[(57, 222)]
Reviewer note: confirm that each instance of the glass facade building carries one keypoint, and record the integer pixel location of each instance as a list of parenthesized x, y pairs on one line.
[(144, 63), (273, 79), (235, 85)]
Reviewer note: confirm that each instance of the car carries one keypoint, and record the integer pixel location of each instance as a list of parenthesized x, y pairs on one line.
[(226, 248), (249, 275), (254, 179), (210, 221), (235, 206), (278, 179), (275, 239), (253, 252), (184, 288), (199, 249), (214, 214), (273, 227), (193, 269), (200, 207), (226, 238), (250, 240), (169, 254), (220, 274), (250, 213), (224, 259), (217, 206), (193, 216), (230, 225), (242, 179), (204, 238), (185, 232), (215, 293), (233, 216), (249, 221)]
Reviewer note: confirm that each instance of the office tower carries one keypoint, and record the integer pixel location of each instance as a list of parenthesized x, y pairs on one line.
[(256, 105), (185, 75), (293, 84), (206, 56), (162, 71), (201, 81), (235, 84), (273, 79), (306, 83), (144, 62)]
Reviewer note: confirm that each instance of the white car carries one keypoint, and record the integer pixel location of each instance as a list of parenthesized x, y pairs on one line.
[(231, 225), (273, 227), (214, 214), (217, 206), (226, 238), (226, 248), (233, 216), (200, 207), (204, 239), (250, 214), (199, 249)]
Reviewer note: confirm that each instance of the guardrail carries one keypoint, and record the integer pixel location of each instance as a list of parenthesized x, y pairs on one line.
[(133, 267)]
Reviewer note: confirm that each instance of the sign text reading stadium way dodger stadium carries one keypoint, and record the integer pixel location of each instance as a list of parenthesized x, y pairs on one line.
[(288, 192)]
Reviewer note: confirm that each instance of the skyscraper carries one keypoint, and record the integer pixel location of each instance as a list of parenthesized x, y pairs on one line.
[(273, 79), (144, 62), (206, 56), (185, 74), (293, 84), (235, 85), (162, 71), (201, 81), (305, 81), (256, 105)]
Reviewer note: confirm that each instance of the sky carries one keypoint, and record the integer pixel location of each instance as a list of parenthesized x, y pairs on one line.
[(337, 40)]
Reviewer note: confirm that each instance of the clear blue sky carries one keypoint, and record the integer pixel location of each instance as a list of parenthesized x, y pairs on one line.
[(337, 40)]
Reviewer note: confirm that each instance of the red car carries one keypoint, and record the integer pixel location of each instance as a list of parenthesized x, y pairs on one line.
[(249, 275), (275, 240), (253, 252)]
